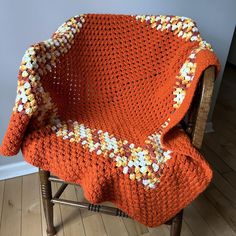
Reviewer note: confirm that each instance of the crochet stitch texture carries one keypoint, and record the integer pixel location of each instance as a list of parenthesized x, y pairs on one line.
[(99, 102)]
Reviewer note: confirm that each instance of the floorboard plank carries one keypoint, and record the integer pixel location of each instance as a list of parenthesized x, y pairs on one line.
[(114, 225), (31, 206), (94, 225), (231, 178), (224, 187), (215, 221), (222, 204), (71, 216), (130, 226), (186, 231), (214, 160), (11, 212), (196, 223), (2, 187), (141, 229), (160, 230), (212, 140)]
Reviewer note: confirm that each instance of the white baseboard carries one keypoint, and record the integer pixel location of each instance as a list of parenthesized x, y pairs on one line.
[(209, 127), (16, 169)]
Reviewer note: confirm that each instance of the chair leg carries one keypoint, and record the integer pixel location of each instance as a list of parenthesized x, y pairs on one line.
[(176, 224), (46, 190)]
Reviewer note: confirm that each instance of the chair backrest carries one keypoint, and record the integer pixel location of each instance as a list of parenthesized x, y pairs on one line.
[(196, 118)]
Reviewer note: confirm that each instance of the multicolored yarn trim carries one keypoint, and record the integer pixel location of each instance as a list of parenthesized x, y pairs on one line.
[(144, 164), (186, 29), (37, 61), (181, 26)]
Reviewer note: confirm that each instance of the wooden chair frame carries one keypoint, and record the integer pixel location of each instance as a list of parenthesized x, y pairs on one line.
[(194, 124)]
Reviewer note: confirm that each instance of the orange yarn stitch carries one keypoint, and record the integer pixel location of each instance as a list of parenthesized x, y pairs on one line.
[(98, 104)]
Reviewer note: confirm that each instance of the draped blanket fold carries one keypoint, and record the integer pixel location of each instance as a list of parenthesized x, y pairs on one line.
[(99, 104)]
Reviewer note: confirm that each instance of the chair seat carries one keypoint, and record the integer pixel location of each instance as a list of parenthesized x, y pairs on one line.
[(108, 180), (144, 163)]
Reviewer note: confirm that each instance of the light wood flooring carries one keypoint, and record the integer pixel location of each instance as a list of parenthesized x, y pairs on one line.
[(213, 213)]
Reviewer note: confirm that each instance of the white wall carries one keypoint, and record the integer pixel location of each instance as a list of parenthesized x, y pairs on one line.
[(28, 21)]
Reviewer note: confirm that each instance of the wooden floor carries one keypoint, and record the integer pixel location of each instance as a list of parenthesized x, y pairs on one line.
[(212, 213)]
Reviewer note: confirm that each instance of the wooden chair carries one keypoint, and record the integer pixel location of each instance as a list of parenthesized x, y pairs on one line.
[(194, 124)]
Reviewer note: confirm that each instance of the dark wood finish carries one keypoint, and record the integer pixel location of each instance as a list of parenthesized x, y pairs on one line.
[(197, 115), (176, 225), (91, 207), (60, 190), (46, 192), (204, 107), (195, 127), (56, 179)]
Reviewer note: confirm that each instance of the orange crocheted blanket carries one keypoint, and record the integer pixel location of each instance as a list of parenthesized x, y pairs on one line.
[(98, 103)]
